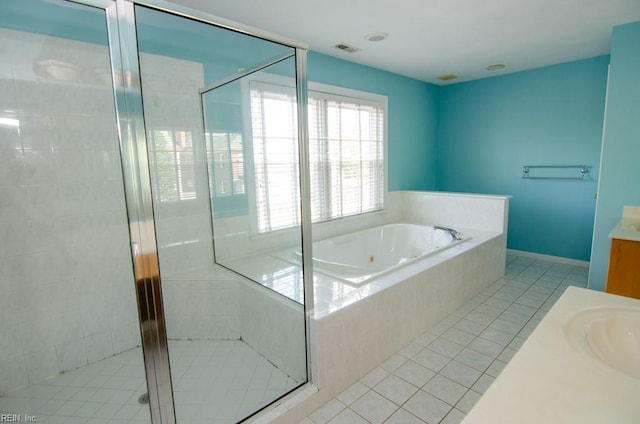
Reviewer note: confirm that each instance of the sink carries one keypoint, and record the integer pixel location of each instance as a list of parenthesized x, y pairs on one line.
[(610, 336), (632, 227)]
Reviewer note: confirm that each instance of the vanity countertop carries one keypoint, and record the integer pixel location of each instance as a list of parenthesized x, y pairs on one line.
[(626, 230), (550, 381)]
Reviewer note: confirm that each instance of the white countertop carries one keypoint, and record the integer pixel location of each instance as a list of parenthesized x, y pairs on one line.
[(624, 230), (549, 381)]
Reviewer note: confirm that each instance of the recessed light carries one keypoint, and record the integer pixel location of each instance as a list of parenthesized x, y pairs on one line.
[(376, 36), (495, 67)]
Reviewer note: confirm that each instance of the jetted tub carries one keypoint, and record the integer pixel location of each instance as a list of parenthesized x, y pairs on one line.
[(356, 258)]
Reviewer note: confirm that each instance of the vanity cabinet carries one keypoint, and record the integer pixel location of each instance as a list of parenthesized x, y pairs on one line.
[(623, 277)]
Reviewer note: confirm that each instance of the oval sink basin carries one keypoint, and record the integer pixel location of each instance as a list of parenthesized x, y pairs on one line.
[(609, 335)]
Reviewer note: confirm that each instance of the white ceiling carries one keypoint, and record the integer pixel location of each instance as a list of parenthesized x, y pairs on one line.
[(428, 38)]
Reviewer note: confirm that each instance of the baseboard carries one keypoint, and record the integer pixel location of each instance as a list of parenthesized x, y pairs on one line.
[(550, 258)]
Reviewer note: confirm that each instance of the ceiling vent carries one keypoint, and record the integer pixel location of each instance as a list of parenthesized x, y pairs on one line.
[(347, 48), (447, 77)]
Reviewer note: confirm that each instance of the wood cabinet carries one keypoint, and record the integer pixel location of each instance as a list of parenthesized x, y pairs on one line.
[(624, 268)]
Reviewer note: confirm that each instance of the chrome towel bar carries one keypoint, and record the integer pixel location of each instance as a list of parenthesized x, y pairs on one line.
[(583, 169)]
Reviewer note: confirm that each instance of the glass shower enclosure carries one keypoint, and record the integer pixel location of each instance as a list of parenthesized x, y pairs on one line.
[(147, 151)]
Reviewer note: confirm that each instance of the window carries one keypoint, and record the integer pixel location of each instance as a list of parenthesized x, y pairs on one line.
[(172, 162), (275, 156), (346, 157), (226, 156), (346, 153)]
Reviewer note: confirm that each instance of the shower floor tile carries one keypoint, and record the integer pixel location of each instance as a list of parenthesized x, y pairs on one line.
[(213, 381), (454, 363)]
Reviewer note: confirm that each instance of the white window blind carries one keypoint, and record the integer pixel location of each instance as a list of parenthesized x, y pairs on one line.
[(346, 155), (225, 155), (275, 155)]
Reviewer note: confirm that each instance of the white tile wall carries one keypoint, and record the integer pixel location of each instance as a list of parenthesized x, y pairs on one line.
[(172, 102), (204, 309), (65, 269), (275, 327), (215, 304), (482, 212), (201, 301)]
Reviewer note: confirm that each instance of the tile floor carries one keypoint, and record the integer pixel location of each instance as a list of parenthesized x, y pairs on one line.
[(435, 379), (214, 382), (440, 375)]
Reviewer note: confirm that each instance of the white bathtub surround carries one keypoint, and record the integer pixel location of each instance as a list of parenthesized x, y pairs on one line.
[(422, 208), (353, 340), (357, 328), (332, 294), (549, 380), (481, 212)]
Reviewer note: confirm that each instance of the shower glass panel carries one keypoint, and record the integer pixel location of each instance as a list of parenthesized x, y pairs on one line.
[(252, 149), (69, 333), (235, 345)]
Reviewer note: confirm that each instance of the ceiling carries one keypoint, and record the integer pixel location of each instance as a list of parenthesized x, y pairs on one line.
[(429, 38)]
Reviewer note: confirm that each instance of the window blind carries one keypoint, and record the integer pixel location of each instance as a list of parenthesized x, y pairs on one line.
[(346, 156), (275, 154), (225, 155)]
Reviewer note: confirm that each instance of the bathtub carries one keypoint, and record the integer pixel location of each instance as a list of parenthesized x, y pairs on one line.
[(359, 257)]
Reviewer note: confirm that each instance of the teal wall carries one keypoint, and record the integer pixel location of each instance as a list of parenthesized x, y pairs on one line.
[(490, 128), (619, 173), (66, 20), (412, 120)]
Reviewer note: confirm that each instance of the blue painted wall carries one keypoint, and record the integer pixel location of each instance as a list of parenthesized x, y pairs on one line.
[(619, 173), (470, 137), (412, 120), (490, 128)]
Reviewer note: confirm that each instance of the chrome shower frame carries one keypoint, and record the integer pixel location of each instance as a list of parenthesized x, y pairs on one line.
[(120, 19)]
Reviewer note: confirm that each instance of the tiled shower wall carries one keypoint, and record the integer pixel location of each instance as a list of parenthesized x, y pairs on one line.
[(172, 103), (203, 306), (67, 285), (217, 305), (203, 301)]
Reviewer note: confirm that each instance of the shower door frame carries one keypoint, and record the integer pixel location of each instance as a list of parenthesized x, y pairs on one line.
[(123, 49)]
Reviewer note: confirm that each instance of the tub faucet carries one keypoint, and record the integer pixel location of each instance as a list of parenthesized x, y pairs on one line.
[(455, 234)]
